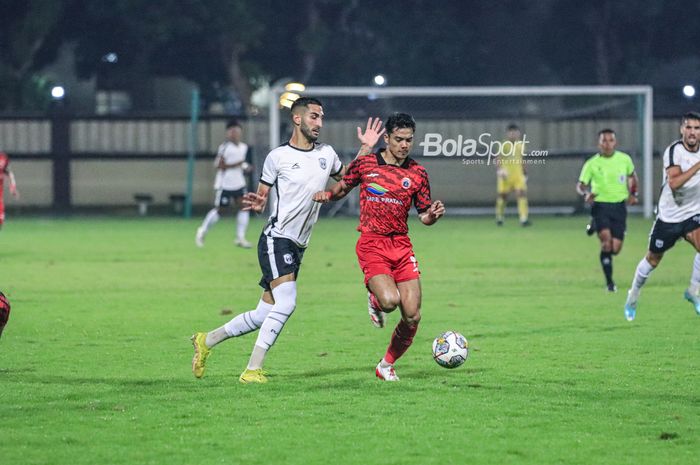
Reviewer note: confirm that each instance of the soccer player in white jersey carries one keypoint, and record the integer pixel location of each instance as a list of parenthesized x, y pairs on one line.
[(296, 170), (678, 212), (230, 185)]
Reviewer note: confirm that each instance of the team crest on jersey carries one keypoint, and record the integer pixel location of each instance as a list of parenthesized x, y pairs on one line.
[(405, 183), (322, 162), (288, 259), (659, 243)]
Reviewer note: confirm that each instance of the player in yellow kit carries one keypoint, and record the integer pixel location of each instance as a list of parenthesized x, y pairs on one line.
[(511, 176)]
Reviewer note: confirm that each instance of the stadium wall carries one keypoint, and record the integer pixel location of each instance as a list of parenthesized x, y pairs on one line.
[(111, 159)]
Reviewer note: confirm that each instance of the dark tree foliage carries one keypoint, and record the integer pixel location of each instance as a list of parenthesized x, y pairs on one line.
[(235, 45)]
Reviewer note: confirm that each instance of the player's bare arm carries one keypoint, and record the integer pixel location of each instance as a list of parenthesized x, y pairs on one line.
[(222, 165), (500, 171), (256, 201), (13, 184), (339, 175), (677, 178), (432, 214), (336, 192)]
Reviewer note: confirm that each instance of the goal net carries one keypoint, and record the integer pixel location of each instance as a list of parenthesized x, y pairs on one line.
[(459, 131)]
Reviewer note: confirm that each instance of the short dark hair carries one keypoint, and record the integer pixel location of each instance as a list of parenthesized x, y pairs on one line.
[(400, 121), (513, 127), (305, 102), (605, 131), (690, 115), (233, 123)]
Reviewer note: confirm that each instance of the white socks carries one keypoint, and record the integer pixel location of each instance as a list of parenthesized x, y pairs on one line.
[(248, 321), (644, 269), (285, 302), (242, 218), (695, 276), (211, 219), (240, 324)]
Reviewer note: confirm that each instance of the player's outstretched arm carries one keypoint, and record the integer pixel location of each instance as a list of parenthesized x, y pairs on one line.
[(677, 178), (336, 192), (370, 137), (256, 201), (432, 214)]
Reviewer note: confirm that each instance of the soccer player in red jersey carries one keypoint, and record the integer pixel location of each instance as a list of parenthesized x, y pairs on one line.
[(5, 171), (390, 180)]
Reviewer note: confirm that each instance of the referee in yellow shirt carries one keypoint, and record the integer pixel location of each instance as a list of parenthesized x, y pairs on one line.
[(609, 183)]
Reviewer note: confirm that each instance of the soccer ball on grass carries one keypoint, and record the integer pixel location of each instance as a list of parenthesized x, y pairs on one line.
[(450, 349)]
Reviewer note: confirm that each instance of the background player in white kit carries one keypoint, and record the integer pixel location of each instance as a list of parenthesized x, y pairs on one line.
[(297, 170), (230, 185), (678, 212)]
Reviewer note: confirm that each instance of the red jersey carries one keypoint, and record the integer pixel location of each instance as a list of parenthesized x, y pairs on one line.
[(386, 192)]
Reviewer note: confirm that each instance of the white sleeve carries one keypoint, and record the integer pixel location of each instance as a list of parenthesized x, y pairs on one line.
[(269, 170), (337, 164), (220, 154), (668, 161)]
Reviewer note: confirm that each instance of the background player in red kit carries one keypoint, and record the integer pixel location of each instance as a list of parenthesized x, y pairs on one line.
[(5, 171), (390, 181)]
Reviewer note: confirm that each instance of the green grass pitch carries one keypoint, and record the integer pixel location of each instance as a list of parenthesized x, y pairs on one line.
[(95, 361)]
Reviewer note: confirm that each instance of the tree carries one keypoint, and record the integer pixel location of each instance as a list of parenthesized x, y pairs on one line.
[(24, 48)]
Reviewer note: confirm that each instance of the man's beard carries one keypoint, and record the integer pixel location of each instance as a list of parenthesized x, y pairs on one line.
[(308, 134)]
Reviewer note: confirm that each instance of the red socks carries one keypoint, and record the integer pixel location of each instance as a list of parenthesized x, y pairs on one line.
[(401, 340)]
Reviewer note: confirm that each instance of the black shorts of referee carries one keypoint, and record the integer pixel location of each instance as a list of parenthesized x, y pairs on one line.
[(612, 216)]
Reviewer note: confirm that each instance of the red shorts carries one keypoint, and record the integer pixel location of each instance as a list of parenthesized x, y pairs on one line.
[(390, 255)]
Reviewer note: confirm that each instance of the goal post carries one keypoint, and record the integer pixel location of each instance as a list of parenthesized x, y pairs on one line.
[(614, 104)]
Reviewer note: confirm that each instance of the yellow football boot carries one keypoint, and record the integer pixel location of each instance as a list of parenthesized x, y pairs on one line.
[(253, 376), (201, 353)]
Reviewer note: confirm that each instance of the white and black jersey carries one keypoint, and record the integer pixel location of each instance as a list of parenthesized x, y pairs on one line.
[(230, 179), (683, 203), (296, 176)]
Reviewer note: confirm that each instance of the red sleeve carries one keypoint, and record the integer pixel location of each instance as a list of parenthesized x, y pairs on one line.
[(353, 175), (421, 199)]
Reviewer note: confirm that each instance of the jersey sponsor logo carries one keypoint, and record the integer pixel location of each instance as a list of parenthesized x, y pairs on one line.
[(288, 259), (376, 189), (296, 166), (372, 175), (384, 200), (405, 183), (322, 162), (659, 243)]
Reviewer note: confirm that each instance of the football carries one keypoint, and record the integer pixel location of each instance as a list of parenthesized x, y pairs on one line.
[(4, 311), (450, 349)]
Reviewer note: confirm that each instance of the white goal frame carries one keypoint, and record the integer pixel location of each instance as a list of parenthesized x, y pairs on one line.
[(646, 94)]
